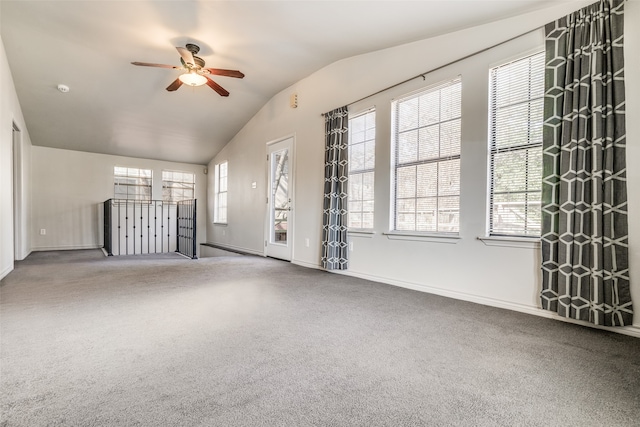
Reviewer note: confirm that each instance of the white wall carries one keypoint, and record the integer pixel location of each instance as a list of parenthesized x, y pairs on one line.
[(469, 269), (11, 113), (632, 80), (69, 187)]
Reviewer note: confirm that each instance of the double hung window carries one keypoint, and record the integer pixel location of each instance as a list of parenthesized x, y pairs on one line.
[(220, 201), (515, 137), (178, 186), (362, 159), (426, 135), (132, 183)]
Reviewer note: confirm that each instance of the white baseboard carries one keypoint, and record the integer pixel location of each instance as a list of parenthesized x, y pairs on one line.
[(64, 248), (306, 264), (6, 271), (633, 330), (21, 258)]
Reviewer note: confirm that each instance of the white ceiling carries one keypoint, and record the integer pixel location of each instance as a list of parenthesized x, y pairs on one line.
[(116, 108)]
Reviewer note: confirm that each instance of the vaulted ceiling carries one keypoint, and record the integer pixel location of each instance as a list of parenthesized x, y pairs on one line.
[(116, 108)]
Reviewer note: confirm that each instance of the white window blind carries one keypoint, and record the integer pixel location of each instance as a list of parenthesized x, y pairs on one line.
[(426, 130), (362, 159), (178, 186), (220, 209), (132, 183), (516, 114)]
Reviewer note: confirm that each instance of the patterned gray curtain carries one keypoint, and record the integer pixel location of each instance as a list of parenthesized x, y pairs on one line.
[(336, 170), (584, 198)]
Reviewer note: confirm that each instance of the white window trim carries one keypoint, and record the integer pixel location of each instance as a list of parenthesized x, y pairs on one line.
[(510, 240), (433, 236), (141, 186), (217, 191), (361, 232), (363, 171), (417, 236), (183, 172)]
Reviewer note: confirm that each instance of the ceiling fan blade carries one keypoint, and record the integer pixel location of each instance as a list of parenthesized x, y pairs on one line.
[(226, 73), (148, 64), (187, 56), (175, 85), (215, 86)]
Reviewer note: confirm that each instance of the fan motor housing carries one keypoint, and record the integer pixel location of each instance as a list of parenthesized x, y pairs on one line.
[(199, 62), (193, 48)]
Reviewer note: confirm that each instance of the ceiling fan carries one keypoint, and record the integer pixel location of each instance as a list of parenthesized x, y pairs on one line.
[(195, 72)]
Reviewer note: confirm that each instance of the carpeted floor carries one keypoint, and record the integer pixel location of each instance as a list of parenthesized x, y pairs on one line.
[(248, 341)]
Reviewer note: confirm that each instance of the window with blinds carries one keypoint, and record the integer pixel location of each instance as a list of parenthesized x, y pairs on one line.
[(220, 190), (132, 183), (178, 186), (516, 95), (426, 131), (362, 159)]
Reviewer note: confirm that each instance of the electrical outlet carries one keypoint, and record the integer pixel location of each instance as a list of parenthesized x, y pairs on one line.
[(224, 232), (350, 246), (306, 242), (43, 231)]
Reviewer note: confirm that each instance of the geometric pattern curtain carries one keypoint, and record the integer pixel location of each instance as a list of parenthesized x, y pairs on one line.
[(336, 170), (585, 262)]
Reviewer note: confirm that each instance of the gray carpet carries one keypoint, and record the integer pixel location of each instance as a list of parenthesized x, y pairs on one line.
[(248, 341)]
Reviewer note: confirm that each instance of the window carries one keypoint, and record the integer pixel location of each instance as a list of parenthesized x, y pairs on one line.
[(515, 136), (220, 201), (426, 132), (178, 186), (132, 183), (362, 157)]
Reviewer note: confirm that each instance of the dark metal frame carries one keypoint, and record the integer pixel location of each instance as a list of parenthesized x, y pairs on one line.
[(108, 239), (134, 217), (186, 228)]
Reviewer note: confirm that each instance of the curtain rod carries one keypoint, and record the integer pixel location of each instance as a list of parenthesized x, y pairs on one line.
[(423, 75)]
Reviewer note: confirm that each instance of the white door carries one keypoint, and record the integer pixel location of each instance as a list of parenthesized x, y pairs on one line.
[(279, 239)]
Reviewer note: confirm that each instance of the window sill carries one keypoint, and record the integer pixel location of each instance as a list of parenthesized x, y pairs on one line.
[(450, 238), (511, 241), (368, 234), (221, 224)]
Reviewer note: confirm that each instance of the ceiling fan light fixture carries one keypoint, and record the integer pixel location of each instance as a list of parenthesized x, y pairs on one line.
[(193, 79), (194, 72)]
